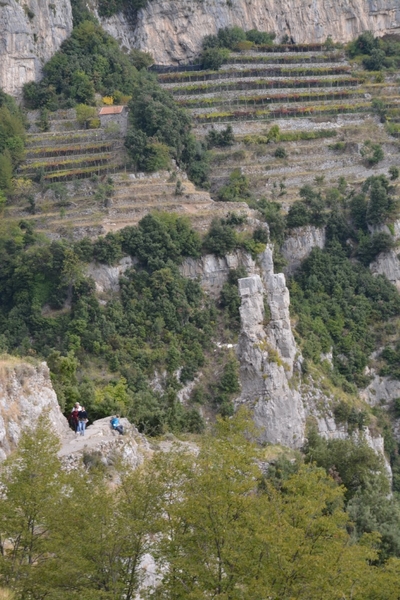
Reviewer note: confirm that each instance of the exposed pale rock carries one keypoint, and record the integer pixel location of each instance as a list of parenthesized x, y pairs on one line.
[(265, 371), (31, 32), (101, 439), (107, 277), (279, 329), (212, 271), (388, 264), (381, 391), (172, 30), (26, 393), (298, 245)]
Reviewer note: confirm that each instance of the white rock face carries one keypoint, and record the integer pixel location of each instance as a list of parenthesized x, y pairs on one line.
[(388, 264), (31, 32), (106, 277), (26, 393), (212, 271), (266, 352), (381, 391), (298, 245), (172, 30)]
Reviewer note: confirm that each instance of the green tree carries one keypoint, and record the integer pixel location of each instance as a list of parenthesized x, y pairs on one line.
[(32, 485)]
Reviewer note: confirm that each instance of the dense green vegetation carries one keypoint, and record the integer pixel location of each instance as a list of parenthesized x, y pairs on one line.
[(216, 47), (89, 61), (160, 130), (12, 134), (160, 321), (376, 53), (339, 304), (224, 528)]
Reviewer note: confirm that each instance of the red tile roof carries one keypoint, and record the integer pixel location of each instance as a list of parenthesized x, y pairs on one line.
[(111, 110)]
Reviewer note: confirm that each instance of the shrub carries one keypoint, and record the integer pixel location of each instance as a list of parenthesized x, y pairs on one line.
[(373, 153), (280, 152), (394, 172), (260, 37), (220, 239), (84, 114), (212, 59), (237, 189), (221, 138)]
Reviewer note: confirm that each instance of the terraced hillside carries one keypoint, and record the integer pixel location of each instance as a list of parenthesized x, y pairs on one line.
[(68, 152), (322, 105), (321, 109)]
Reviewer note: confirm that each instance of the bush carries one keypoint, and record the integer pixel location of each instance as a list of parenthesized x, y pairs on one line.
[(260, 37), (221, 138), (373, 153), (237, 189), (212, 59), (84, 114), (298, 215), (280, 152), (220, 239)]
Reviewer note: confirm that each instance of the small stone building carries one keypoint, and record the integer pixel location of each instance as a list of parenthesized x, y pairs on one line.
[(114, 114)]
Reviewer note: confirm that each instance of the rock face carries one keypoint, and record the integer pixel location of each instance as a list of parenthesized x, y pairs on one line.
[(26, 393), (172, 30), (266, 351), (31, 32), (100, 442), (299, 244), (107, 277), (388, 264), (212, 271)]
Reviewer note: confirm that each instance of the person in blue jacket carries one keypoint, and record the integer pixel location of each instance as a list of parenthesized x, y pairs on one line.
[(115, 424)]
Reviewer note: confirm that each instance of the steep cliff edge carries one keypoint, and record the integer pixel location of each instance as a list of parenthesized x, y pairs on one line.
[(266, 351), (31, 32), (26, 392), (172, 30)]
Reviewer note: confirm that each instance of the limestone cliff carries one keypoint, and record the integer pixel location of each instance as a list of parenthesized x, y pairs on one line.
[(298, 245), (212, 271), (172, 30), (26, 393), (388, 263), (266, 351), (31, 32)]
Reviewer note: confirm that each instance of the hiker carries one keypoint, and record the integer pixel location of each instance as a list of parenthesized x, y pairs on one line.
[(82, 420), (115, 424), (73, 419)]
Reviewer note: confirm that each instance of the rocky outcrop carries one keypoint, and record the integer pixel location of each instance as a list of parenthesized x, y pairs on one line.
[(31, 32), (266, 351), (106, 277), (381, 391), (26, 393), (172, 30), (298, 245), (101, 443), (388, 264), (212, 271)]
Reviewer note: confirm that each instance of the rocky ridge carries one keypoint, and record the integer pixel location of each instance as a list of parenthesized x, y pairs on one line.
[(26, 394)]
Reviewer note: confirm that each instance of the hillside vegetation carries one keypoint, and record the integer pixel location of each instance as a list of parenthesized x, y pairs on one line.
[(255, 141)]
